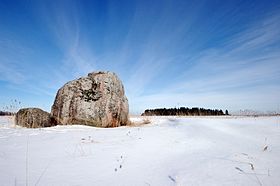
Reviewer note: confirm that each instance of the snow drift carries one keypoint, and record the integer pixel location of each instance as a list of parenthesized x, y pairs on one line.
[(168, 151)]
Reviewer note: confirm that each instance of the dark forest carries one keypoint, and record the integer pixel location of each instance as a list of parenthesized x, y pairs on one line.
[(184, 111)]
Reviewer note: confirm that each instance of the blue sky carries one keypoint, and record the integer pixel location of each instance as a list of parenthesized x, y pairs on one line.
[(211, 54)]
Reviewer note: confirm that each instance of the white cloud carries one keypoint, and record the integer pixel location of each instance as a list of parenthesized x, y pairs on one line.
[(244, 72), (12, 60)]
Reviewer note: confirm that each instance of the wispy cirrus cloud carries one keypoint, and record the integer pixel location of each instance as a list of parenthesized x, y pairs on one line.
[(244, 69), (167, 53), (11, 60), (63, 22)]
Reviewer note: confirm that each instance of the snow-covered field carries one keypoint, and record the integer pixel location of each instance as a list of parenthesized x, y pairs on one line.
[(168, 151)]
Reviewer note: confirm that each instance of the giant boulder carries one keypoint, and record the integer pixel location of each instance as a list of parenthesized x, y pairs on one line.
[(96, 100), (34, 118)]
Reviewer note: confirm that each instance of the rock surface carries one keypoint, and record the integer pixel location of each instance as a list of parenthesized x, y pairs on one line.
[(96, 100), (34, 118)]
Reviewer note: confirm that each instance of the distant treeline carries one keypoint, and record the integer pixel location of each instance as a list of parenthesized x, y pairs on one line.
[(4, 113), (183, 111)]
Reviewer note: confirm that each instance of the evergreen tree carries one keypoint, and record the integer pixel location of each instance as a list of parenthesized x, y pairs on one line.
[(227, 112), (183, 111)]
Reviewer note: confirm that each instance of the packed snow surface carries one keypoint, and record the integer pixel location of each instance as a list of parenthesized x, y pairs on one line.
[(167, 151)]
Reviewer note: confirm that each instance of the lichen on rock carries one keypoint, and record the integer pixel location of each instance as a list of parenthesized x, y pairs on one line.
[(34, 118), (96, 100)]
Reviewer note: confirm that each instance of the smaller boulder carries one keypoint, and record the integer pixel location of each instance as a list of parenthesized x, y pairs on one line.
[(34, 118)]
